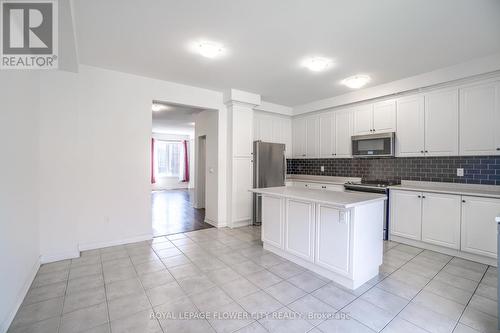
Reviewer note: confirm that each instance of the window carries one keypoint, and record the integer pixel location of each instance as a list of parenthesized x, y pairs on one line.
[(168, 158)]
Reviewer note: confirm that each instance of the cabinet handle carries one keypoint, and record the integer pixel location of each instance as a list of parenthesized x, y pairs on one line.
[(419, 196), (426, 151), (463, 201), (498, 148), (323, 186), (422, 151), (423, 197)]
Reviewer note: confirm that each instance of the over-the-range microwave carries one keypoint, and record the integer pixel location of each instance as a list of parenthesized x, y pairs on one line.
[(373, 145)]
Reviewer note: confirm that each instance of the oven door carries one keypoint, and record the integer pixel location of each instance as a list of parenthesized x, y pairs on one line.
[(373, 145)]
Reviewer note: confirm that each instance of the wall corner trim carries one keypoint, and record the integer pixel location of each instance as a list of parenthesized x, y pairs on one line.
[(4, 326)]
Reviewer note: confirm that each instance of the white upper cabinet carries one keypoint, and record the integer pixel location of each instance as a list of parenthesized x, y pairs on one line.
[(410, 124), (375, 118), (441, 123), (286, 132), (327, 135), (299, 137), (312, 136), (384, 116), (342, 133), (273, 128), (363, 119), (480, 119)]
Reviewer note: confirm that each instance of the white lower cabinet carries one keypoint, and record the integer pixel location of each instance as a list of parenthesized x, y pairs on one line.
[(406, 214), (299, 229), (462, 223), (333, 255), (479, 234), (441, 219), (272, 213)]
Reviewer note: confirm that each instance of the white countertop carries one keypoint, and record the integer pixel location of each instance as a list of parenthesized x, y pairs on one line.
[(322, 179), (335, 198), (489, 191)]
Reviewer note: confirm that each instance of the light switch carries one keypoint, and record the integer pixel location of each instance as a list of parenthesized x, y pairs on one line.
[(322, 168), (460, 172)]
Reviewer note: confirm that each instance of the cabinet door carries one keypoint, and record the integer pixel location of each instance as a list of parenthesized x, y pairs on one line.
[(326, 135), (406, 214), (410, 126), (441, 219), (266, 128), (441, 123), (256, 127), (333, 234), (272, 221), (277, 135), (479, 234), (384, 116), (299, 229), (363, 119), (299, 137), (286, 131), (479, 119), (343, 133), (312, 136)]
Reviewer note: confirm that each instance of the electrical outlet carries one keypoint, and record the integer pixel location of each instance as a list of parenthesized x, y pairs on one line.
[(460, 172), (322, 168)]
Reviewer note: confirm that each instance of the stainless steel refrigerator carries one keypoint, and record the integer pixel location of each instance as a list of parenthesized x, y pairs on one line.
[(269, 170)]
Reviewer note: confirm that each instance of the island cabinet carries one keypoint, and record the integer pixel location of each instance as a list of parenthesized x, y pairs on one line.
[(341, 243)]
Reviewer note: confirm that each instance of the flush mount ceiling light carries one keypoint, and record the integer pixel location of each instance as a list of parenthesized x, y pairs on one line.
[(159, 107), (317, 64), (356, 81), (209, 49)]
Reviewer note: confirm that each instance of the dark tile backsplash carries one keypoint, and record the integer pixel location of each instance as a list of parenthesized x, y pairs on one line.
[(477, 169)]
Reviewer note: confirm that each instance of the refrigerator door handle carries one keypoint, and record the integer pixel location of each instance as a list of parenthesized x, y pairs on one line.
[(284, 168), (256, 166)]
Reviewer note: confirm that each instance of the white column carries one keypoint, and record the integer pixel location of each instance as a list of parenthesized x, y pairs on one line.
[(240, 106)]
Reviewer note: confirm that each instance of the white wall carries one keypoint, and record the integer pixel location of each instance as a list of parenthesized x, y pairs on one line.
[(206, 124), (167, 183), (19, 246), (98, 123)]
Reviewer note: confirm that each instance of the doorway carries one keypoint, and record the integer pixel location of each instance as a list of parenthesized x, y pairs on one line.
[(173, 174)]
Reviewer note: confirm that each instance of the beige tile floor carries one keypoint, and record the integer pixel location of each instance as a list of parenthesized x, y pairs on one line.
[(223, 281)]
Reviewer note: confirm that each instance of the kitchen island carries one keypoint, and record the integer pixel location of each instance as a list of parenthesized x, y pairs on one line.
[(335, 234)]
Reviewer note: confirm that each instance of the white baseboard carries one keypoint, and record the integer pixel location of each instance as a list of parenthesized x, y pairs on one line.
[(215, 224), (99, 245), (20, 297), (241, 223), (445, 250), (47, 258)]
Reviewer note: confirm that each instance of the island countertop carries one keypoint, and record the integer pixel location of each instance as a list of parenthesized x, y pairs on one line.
[(335, 198)]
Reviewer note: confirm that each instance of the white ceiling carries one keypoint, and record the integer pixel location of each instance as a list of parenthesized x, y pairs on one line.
[(266, 40), (175, 119)]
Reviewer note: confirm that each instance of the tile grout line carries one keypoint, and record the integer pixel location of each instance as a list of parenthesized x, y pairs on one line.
[(419, 293), (470, 299)]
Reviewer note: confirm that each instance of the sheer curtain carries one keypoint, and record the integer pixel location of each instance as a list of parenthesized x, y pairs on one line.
[(184, 162)]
